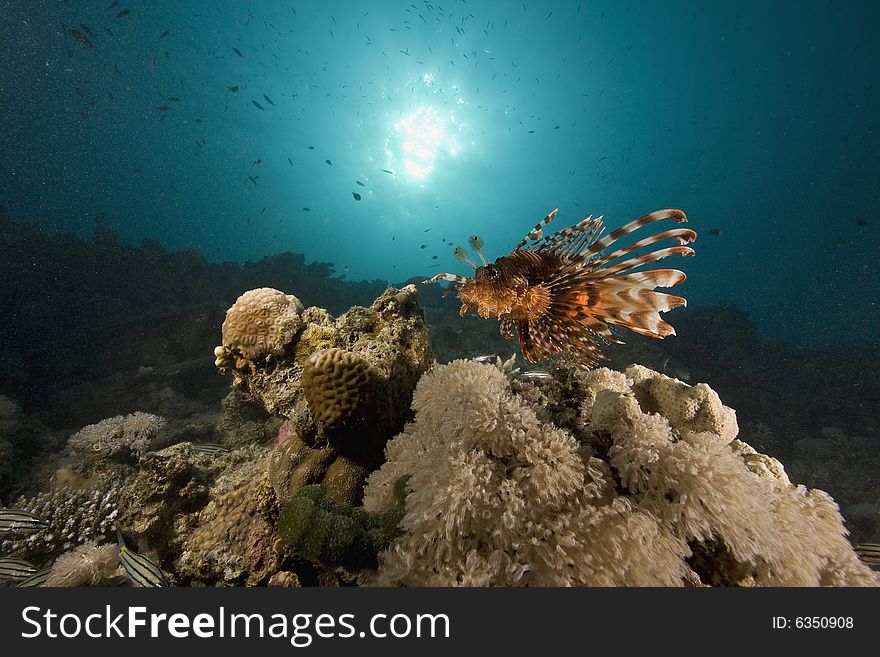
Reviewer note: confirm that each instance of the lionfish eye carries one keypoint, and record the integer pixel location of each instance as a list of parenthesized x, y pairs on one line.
[(490, 272)]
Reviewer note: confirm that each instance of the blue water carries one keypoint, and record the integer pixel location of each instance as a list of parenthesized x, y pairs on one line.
[(758, 119)]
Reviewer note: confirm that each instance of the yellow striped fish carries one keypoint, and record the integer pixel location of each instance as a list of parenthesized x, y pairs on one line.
[(139, 569), (18, 521), (37, 579), (869, 553), (13, 568)]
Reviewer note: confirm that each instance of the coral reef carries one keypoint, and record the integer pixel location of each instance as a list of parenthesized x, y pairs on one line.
[(498, 496), (75, 516), (337, 385), (234, 541), (89, 564), (119, 436), (256, 325), (344, 388), (294, 464), (242, 421), (321, 529)]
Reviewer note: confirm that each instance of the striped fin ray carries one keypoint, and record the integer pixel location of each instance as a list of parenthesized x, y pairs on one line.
[(552, 332), (658, 215), (683, 235), (572, 240), (638, 261), (537, 232)]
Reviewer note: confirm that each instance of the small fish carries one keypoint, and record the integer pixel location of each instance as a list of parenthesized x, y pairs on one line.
[(433, 257), (861, 222), (563, 292), (111, 5), (163, 108), (16, 520), (716, 232), (237, 52), (82, 38), (207, 448), (164, 34), (329, 162), (291, 161), (535, 374), (257, 105), (869, 553), (428, 230), (357, 197), (37, 579), (174, 99), (488, 358), (307, 209), (360, 183), (386, 171), (13, 568), (121, 14), (423, 246), (139, 569), (311, 148), (232, 89), (268, 100)]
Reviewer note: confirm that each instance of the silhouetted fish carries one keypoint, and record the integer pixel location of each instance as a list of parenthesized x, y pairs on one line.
[(257, 105), (307, 209), (82, 38), (233, 89), (357, 197), (386, 171), (360, 183), (268, 100), (121, 14), (237, 52), (164, 34), (329, 162)]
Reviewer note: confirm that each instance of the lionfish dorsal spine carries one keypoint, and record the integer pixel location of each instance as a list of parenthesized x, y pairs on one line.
[(537, 232)]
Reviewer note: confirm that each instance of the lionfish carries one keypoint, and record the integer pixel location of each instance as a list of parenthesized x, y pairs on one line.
[(562, 293)]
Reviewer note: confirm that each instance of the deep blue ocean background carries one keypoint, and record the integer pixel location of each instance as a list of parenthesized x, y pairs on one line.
[(758, 119)]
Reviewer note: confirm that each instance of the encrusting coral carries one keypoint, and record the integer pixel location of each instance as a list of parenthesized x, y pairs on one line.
[(499, 497), (336, 534)]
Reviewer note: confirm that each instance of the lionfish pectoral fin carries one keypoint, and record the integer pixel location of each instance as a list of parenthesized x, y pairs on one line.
[(508, 329), (452, 278)]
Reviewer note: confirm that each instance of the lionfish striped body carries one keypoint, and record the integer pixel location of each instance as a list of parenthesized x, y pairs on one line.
[(561, 292)]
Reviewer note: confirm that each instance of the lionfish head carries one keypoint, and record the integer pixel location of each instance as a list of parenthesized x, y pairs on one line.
[(488, 292)]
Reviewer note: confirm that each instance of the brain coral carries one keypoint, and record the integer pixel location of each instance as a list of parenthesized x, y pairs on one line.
[(255, 324), (498, 497), (337, 385)]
